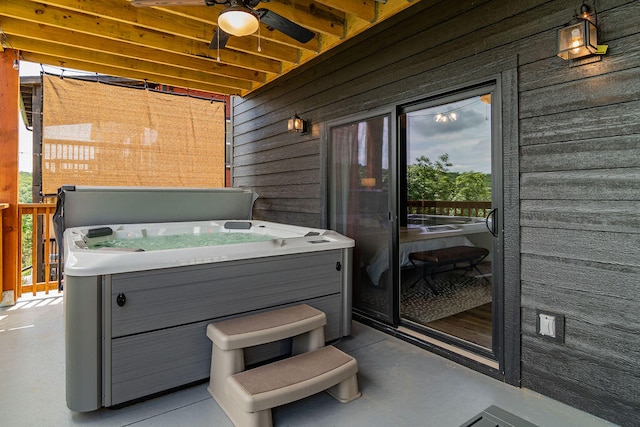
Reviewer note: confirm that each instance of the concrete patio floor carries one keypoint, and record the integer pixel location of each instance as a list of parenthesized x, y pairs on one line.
[(402, 385)]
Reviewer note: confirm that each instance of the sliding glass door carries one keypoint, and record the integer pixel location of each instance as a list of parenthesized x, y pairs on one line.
[(359, 207), (420, 190), (448, 250)]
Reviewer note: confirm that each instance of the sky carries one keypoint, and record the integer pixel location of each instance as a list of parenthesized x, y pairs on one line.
[(25, 154), (25, 161), (467, 139)]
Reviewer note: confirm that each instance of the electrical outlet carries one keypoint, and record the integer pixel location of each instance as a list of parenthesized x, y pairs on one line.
[(547, 325), (550, 325)]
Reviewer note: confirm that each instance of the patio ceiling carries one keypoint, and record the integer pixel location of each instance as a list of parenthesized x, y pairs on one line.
[(170, 44)]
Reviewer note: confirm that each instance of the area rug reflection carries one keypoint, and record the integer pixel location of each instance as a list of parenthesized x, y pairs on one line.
[(457, 292)]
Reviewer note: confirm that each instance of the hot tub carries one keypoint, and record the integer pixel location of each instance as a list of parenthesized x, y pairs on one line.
[(120, 248), (138, 296)]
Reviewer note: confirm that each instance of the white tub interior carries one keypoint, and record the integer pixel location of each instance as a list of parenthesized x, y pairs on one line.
[(118, 248)]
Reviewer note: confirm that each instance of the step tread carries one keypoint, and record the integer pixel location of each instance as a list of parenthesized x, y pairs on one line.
[(265, 327), (291, 379)]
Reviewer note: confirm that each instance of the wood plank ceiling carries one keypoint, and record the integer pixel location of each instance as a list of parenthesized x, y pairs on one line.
[(170, 44)]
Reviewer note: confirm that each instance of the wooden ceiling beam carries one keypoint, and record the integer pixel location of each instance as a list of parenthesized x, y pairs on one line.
[(145, 17), (153, 19), (110, 29), (146, 3), (14, 27), (170, 44), (362, 9), (307, 13), (127, 67), (265, 48), (210, 14), (116, 72)]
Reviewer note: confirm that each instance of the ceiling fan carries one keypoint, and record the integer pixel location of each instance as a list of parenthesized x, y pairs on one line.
[(240, 18)]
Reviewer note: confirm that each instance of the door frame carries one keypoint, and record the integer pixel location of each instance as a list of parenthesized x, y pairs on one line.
[(506, 119), (497, 319), (325, 150)]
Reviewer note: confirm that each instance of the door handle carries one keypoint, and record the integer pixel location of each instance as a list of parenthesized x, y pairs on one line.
[(492, 228)]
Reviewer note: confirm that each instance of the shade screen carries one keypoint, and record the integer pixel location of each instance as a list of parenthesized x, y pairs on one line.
[(106, 135)]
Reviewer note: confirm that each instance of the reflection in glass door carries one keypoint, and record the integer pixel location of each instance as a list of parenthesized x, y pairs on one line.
[(446, 243), (359, 208)]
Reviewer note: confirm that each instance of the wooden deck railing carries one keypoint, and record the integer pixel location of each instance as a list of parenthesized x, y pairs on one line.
[(44, 249), (3, 206), (449, 208)]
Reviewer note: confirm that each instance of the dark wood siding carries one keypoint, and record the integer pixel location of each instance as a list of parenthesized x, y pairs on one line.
[(580, 221), (572, 162)]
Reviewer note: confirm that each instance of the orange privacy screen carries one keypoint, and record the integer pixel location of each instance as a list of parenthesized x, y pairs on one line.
[(105, 135)]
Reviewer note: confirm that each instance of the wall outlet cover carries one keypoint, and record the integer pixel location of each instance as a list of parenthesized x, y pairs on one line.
[(550, 325), (547, 325)]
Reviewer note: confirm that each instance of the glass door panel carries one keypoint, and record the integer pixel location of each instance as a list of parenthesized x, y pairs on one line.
[(359, 208), (446, 248)]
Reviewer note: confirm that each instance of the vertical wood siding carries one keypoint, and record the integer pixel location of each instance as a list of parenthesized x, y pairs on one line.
[(574, 161)]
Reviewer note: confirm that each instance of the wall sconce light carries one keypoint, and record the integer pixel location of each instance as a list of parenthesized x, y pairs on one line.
[(580, 39), (296, 124)]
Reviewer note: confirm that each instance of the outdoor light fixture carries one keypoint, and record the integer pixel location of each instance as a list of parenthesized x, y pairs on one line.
[(238, 20), (445, 117), (580, 39), (296, 124)]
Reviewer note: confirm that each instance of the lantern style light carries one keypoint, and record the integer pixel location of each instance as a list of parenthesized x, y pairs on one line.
[(577, 40), (296, 124)]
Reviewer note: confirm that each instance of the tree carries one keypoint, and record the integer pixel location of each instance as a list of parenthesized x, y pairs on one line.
[(427, 180), (25, 196), (472, 186), (24, 187)]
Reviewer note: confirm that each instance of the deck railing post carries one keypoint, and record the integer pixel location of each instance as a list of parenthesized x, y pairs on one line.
[(41, 216)]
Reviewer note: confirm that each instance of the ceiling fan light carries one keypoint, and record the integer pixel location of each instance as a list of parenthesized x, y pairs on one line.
[(238, 21)]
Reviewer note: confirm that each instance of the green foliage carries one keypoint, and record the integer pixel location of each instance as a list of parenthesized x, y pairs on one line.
[(25, 196), (472, 186), (24, 187), (429, 180)]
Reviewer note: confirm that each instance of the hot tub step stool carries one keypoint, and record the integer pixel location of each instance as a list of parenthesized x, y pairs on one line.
[(248, 396)]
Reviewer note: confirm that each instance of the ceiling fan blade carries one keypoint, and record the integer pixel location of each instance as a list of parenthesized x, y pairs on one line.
[(146, 3), (220, 39), (282, 24)]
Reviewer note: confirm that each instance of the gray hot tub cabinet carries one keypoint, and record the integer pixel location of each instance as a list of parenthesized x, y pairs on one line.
[(133, 334), (130, 335)]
